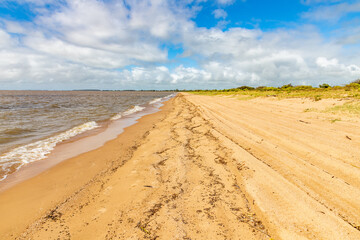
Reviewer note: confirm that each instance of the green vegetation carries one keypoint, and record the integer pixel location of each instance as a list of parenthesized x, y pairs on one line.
[(349, 108), (335, 120), (324, 91), (324, 85)]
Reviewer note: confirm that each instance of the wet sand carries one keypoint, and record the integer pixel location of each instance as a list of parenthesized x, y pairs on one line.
[(202, 168)]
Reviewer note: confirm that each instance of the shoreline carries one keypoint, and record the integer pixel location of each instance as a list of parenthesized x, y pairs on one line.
[(202, 168), (66, 177), (86, 141)]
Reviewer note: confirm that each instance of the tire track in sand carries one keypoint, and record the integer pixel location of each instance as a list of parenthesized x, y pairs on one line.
[(297, 194)]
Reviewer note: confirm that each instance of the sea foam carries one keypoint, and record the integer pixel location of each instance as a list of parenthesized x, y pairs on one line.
[(155, 100), (128, 112), (38, 150)]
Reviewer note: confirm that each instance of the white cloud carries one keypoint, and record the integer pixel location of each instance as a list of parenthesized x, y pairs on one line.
[(242, 56), (35, 2), (219, 13), (225, 2), (324, 62), (108, 32), (5, 40), (189, 75), (87, 44), (312, 2), (332, 13), (333, 67)]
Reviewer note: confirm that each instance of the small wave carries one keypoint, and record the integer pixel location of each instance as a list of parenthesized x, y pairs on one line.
[(5, 114), (39, 150), (128, 112), (16, 131), (8, 139), (155, 100), (8, 168), (169, 96), (55, 105)]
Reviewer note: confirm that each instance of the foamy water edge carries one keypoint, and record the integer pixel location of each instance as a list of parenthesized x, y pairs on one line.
[(128, 112), (39, 150)]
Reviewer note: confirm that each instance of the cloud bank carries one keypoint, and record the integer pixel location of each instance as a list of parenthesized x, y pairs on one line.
[(128, 44)]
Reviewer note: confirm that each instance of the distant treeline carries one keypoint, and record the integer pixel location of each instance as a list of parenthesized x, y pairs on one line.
[(288, 87), (354, 85), (129, 90)]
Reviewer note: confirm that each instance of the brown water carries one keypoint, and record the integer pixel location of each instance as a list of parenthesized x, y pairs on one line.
[(32, 123)]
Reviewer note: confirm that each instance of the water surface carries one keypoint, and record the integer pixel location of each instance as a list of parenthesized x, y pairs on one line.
[(32, 123)]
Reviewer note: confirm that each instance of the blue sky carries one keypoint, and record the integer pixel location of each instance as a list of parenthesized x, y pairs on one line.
[(265, 15), (157, 44)]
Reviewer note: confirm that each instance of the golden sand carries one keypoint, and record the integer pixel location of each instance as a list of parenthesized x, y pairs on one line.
[(202, 168)]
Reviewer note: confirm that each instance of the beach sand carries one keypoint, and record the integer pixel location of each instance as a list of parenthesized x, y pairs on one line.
[(203, 168)]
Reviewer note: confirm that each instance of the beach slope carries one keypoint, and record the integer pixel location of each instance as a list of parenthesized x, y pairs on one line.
[(203, 168)]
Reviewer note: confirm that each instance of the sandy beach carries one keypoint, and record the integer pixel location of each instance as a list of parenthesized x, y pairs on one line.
[(204, 167)]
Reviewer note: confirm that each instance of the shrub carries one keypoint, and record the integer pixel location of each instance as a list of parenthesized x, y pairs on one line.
[(245, 88), (271, 89), (337, 87), (264, 88), (303, 87), (324, 85), (317, 98), (287, 86), (352, 85), (261, 87)]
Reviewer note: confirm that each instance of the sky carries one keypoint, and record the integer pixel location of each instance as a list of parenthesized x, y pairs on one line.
[(188, 44)]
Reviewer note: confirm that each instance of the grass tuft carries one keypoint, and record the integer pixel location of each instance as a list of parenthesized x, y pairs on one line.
[(352, 108)]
